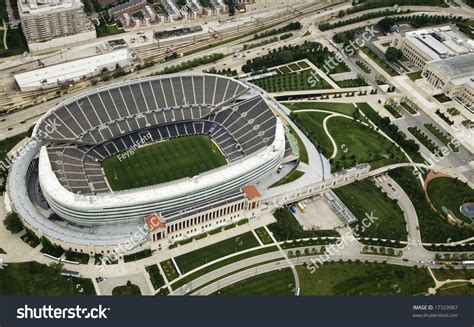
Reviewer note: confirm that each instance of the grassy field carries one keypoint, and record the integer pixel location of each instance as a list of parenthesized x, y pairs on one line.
[(450, 193), (414, 76), (356, 82), (155, 276), (356, 143), (363, 279), (363, 197), (362, 144), (456, 289), (291, 177), (163, 162), (222, 263), (278, 282), (32, 278), (311, 124), (263, 235), (169, 270), (16, 43), (194, 259), (299, 81), (105, 30), (423, 139), (379, 61), (433, 228)]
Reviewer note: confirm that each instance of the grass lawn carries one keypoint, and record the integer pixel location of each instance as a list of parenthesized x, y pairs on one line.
[(303, 152), (129, 289), (444, 274), (222, 263), (456, 289), (169, 270), (137, 256), (105, 30), (433, 228), (16, 43), (361, 144), (263, 235), (291, 177), (155, 276), (443, 138), (356, 82), (379, 61), (442, 98), (163, 162), (423, 139), (414, 76), (345, 278), (342, 108), (194, 259), (311, 124), (32, 278), (299, 81), (82, 258), (356, 143), (278, 282), (9, 143), (450, 193), (363, 197)]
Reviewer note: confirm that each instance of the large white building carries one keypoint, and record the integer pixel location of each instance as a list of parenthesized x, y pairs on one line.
[(453, 77), (72, 71), (53, 23), (431, 44)]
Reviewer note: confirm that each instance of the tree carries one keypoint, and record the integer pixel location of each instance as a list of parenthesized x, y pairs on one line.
[(13, 223), (386, 24), (393, 54)]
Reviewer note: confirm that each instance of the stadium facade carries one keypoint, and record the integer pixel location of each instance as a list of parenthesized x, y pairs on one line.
[(68, 199)]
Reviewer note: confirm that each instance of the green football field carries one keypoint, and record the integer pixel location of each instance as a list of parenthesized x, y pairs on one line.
[(163, 162)]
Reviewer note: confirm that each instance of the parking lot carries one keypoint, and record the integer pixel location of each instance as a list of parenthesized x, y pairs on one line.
[(317, 215)]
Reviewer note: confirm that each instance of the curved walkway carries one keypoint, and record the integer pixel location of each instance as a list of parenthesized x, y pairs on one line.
[(441, 283)]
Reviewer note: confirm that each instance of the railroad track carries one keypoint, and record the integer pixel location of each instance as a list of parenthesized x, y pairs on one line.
[(152, 52)]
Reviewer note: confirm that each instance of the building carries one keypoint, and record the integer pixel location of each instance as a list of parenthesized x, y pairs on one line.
[(48, 24), (127, 8), (453, 77), (72, 71), (243, 204), (432, 44)]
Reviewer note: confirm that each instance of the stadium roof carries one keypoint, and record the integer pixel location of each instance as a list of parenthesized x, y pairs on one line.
[(70, 70)]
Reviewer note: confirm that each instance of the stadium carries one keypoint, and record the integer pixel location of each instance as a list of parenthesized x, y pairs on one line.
[(178, 153)]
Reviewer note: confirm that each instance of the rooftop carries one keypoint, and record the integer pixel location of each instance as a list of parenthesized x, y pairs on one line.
[(70, 70), (441, 42), (154, 222), (460, 66), (251, 192)]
